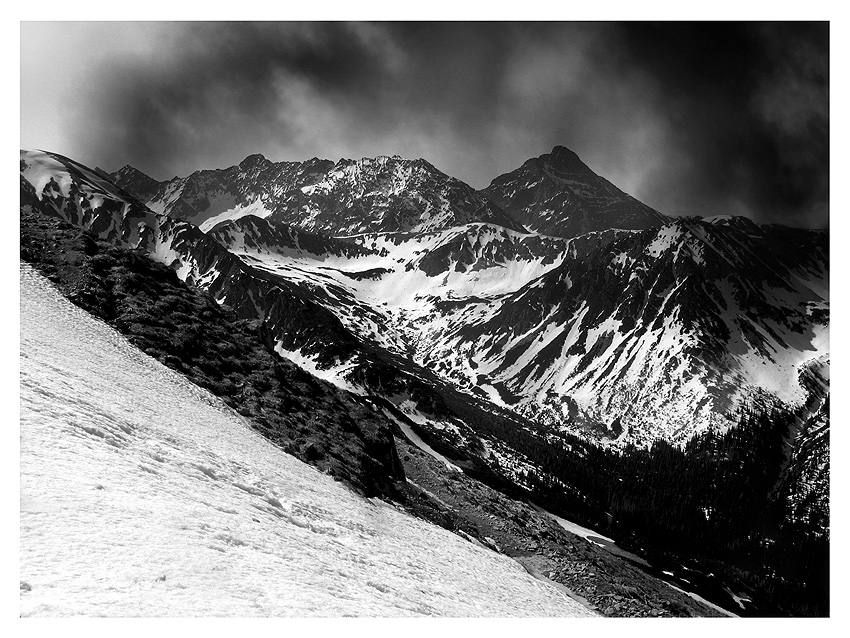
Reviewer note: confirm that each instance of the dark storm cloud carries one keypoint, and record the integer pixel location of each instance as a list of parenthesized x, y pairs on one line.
[(229, 84), (698, 118), (748, 104), (223, 87)]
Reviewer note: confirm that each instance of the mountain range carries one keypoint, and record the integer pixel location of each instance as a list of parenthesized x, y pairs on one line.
[(550, 305)]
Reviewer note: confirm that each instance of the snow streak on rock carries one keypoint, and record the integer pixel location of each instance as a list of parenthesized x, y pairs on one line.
[(141, 495)]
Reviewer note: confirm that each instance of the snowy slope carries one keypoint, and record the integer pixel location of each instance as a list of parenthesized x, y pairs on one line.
[(69, 190), (142, 496), (381, 285), (660, 333)]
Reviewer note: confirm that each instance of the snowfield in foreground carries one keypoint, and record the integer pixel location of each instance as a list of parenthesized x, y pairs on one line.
[(141, 495)]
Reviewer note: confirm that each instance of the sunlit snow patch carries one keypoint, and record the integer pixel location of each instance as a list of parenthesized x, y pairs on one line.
[(334, 374)]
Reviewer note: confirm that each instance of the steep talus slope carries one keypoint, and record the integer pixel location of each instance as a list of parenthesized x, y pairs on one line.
[(557, 194), (657, 333)]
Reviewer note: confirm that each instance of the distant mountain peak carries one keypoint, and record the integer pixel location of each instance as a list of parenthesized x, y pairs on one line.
[(252, 161), (565, 161), (131, 171), (557, 194), (563, 150), (133, 180)]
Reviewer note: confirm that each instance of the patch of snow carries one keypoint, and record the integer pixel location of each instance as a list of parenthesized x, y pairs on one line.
[(234, 211), (418, 442), (41, 168), (739, 599), (575, 528), (700, 599), (335, 375), (664, 239)]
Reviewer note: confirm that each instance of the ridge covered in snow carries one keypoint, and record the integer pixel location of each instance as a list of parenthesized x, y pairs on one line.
[(382, 194)]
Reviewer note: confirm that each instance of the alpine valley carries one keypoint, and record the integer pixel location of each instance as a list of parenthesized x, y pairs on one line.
[(661, 380)]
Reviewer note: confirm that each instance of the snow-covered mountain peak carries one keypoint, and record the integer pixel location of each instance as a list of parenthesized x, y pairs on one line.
[(349, 197), (256, 186), (382, 166)]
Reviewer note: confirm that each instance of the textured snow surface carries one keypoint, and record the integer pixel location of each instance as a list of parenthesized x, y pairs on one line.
[(142, 496)]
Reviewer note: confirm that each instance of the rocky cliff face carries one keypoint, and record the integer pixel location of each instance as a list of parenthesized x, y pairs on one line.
[(388, 194)]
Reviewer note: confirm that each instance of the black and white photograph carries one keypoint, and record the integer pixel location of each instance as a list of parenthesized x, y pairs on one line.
[(404, 318)]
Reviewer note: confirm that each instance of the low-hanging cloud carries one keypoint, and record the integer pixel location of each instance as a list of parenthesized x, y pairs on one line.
[(697, 118)]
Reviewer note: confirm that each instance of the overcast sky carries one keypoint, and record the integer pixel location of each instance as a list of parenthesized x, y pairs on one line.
[(700, 118)]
